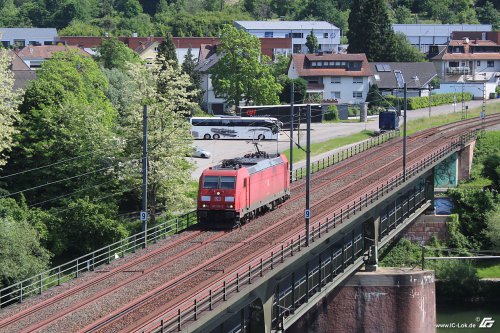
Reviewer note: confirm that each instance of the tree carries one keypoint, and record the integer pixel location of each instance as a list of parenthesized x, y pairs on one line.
[(492, 231), (312, 42), (370, 30), (403, 15), (404, 51), (166, 52), (115, 54), (129, 8), (491, 170), (169, 173), (239, 75), (473, 207), (21, 252), (299, 90), (66, 117), (8, 106), (189, 67), (488, 14)]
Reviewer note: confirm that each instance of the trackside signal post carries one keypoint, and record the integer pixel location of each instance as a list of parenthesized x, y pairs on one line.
[(144, 211), (292, 100), (402, 84), (307, 212)]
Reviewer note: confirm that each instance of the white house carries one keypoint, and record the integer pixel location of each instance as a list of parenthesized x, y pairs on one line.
[(343, 77), (20, 37), (468, 61), (327, 34), (423, 36)]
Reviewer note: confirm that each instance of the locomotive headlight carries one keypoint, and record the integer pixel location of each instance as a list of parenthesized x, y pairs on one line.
[(218, 193), (204, 205), (229, 199), (230, 206), (205, 198)]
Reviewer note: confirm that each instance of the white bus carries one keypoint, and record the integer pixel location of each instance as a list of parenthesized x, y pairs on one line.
[(247, 128)]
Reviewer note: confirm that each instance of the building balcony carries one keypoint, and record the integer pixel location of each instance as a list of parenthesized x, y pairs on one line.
[(458, 70)]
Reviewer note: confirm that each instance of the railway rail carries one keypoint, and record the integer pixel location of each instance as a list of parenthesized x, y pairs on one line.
[(227, 253)]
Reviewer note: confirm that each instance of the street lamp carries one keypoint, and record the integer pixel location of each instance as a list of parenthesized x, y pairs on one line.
[(402, 84)]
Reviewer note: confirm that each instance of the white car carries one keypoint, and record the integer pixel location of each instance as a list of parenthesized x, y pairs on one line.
[(200, 152)]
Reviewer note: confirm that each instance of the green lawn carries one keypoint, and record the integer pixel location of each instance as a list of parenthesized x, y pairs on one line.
[(413, 126), (322, 147), (489, 272)]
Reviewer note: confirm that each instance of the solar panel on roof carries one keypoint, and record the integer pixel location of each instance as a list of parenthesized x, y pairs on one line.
[(387, 68)]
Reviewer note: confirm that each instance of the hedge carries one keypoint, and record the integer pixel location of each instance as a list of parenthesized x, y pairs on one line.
[(423, 102)]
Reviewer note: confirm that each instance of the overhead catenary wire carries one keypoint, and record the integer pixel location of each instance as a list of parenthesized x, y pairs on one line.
[(63, 180), (56, 163)]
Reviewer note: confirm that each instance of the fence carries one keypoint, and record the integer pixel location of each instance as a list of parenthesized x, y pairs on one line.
[(344, 154), (72, 269), (206, 300)]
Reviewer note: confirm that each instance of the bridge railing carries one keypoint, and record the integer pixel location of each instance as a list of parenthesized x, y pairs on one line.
[(89, 262), (344, 154), (206, 300)]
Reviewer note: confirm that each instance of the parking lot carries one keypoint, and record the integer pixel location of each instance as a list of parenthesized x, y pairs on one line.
[(224, 149)]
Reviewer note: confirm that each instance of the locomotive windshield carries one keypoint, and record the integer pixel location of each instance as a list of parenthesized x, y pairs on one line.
[(223, 182), (211, 182), (227, 182)]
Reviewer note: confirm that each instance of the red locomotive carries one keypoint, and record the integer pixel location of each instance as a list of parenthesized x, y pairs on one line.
[(238, 189)]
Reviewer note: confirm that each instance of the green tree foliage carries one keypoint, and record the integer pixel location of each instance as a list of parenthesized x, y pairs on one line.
[(129, 8), (239, 75), (404, 51), (21, 252), (404, 254), (84, 226), (8, 106), (473, 207), (299, 90), (403, 15), (65, 115), (491, 170), (312, 42), (488, 14), (189, 67), (166, 52), (169, 132), (115, 54), (80, 28), (370, 30), (120, 89), (492, 231)]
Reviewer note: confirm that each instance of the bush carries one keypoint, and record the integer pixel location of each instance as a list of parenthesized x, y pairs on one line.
[(332, 113), (353, 111), (423, 102)]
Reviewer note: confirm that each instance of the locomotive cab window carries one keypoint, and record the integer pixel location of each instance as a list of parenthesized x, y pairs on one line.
[(211, 182), (227, 182)]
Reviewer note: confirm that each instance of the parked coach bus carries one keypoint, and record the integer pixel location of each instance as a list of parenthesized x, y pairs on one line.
[(246, 128)]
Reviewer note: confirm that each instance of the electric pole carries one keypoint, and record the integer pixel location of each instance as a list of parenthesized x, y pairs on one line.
[(144, 211), (292, 100), (307, 212)]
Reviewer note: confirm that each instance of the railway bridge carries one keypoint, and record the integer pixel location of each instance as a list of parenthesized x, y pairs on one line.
[(361, 201), (280, 287)]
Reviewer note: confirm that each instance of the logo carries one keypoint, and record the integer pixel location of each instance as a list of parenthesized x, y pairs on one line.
[(487, 322)]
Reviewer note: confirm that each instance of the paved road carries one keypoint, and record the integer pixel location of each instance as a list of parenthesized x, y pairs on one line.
[(223, 149)]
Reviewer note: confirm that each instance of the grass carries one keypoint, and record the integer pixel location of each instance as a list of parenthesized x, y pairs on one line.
[(323, 147), (420, 124), (413, 126), (489, 272)]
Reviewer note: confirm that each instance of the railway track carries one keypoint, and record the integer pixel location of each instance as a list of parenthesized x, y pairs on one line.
[(322, 181)]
